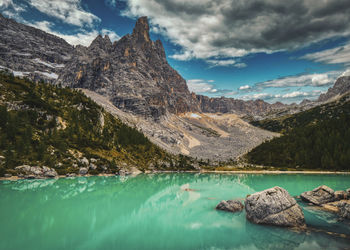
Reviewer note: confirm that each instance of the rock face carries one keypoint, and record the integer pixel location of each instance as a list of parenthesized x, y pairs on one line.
[(133, 72), (274, 206), (319, 195), (230, 206), (341, 86), (231, 105), (32, 52)]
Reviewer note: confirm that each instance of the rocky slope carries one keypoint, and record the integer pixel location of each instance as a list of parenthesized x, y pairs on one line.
[(43, 125), (217, 137), (31, 52)]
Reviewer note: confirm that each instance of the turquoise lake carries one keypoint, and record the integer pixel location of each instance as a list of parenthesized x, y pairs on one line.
[(156, 212)]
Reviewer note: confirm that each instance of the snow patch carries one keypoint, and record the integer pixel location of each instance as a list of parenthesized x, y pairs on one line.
[(49, 75), (51, 65), (193, 115)]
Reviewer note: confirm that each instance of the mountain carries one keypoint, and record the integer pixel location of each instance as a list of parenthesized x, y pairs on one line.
[(133, 80), (341, 86), (318, 138), (46, 125), (133, 73)]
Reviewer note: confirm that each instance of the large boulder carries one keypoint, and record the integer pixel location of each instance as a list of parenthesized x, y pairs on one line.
[(230, 206), (274, 206), (319, 195)]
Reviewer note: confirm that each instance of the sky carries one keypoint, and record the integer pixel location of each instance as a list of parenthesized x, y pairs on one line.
[(272, 50)]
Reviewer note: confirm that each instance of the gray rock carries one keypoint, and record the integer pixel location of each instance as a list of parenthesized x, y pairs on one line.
[(230, 206), (25, 168), (51, 173), (2, 158), (274, 206), (344, 209), (84, 161), (7, 175), (36, 170), (83, 171), (319, 195), (340, 195), (92, 166), (93, 160), (123, 172)]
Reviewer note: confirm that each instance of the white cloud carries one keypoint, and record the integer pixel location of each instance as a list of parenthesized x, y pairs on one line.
[(214, 30), (200, 86), (336, 55), (83, 38), (293, 96), (5, 3), (346, 73), (68, 11), (112, 35), (322, 79), (225, 63), (244, 87)]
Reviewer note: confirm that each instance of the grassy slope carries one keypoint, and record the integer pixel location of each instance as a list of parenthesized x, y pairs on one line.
[(318, 138), (42, 124)]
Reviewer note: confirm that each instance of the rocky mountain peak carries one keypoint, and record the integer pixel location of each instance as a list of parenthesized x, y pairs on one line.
[(141, 31), (101, 43), (341, 86)]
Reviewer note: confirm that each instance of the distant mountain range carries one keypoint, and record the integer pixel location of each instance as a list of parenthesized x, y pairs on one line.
[(132, 78)]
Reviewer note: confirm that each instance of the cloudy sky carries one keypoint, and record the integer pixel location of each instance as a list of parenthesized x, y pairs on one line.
[(249, 49)]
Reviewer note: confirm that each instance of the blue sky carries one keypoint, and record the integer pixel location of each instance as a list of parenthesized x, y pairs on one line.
[(256, 49)]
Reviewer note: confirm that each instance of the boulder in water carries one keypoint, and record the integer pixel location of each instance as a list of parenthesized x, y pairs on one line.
[(274, 206), (319, 195)]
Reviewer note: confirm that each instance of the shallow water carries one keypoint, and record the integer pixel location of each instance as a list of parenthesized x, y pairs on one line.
[(156, 212)]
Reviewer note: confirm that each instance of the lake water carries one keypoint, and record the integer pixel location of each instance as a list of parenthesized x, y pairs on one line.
[(156, 212)]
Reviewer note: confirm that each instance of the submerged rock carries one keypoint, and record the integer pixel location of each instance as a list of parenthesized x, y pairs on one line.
[(274, 206), (319, 195), (230, 206)]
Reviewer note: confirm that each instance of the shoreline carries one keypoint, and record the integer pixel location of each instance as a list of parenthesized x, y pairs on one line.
[(15, 178)]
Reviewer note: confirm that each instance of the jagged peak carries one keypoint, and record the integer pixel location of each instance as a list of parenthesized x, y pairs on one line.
[(141, 30), (101, 42)]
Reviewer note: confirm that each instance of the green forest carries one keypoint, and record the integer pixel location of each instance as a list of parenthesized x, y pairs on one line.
[(318, 139), (43, 124)]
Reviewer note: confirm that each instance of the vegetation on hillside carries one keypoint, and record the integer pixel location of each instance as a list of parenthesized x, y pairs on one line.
[(42, 124), (318, 138)]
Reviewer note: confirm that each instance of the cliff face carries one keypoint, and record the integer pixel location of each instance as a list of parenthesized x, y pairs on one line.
[(230, 105), (341, 86), (133, 72), (32, 52)]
